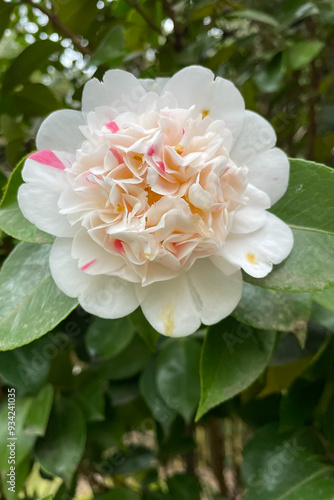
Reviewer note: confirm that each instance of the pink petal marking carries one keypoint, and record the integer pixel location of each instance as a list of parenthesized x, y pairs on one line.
[(118, 244), (117, 155), (113, 127), (150, 151), (89, 264), (275, 178), (161, 165), (183, 131), (47, 157), (225, 171)]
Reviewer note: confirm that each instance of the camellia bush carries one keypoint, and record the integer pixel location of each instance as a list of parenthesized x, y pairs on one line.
[(167, 250)]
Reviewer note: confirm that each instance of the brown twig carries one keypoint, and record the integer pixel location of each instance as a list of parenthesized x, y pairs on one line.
[(142, 13), (60, 26), (217, 453), (168, 7)]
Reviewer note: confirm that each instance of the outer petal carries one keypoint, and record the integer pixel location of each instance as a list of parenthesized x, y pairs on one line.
[(220, 98), (104, 296), (38, 197), (151, 85), (257, 252), (119, 89), (215, 294), (60, 131), (269, 171), (169, 307), (256, 136)]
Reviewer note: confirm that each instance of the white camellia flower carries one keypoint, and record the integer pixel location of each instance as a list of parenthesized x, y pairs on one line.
[(157, 193)]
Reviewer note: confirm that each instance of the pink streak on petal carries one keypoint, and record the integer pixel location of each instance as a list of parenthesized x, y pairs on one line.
[(86, 266), (118, 244), (275, 178), (113, 127), (183, 131), (47, 157), (161, 165), (117, 155), (225, 172), (150, 151)]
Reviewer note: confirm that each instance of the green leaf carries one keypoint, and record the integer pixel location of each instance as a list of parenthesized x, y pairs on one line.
[(178, 375), (33, 57), (183, 487), (35, 99), (275, 468), (39, 412), (148, 389), (106, 338), (268, 309), (309, 202), (255, 15), (308, 207), (50, 497), (233, 356), (27, 367), (144, 328), (325, 298), (270, 77), (60, 451), (5, 12), (12, 221), (120, 494), (30, 302), (111, 47), (300, 54), (128, 363), (90, 397), (24, 442)]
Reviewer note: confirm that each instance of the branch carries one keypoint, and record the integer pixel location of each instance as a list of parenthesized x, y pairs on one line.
[(60, 26), (217, 453), (168, 6), (146, 18)]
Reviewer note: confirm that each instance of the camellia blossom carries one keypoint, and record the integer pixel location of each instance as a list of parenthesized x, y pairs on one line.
[(158, 193)]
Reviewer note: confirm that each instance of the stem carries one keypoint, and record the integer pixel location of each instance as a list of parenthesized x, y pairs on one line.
[(60, 26), (217, 453), (189, 457), (142, 13), (168, 6)]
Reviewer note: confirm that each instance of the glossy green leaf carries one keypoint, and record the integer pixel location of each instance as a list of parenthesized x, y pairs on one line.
[(128, 363), (30, 302), (60, 451), (12, 220), (90, 397), (5, 12), (144, 328), (178, 375), (111, 47), (325, 298), (24, 442), (309, 202), (275, 468), (106, 338), (233, 356), (300, 54), (268, 309), (39, 412), (34, 56), (255, 15), (148, 389), (36, 99), (26, 368)]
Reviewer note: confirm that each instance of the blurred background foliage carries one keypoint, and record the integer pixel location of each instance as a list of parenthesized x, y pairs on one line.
[(105, 411)]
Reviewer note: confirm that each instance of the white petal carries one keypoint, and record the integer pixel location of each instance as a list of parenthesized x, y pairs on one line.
[(257, 252), (269, 171), (215, 294), (169, 307), (151, 85), (220, 99), (257, 135), (60, 131), (119, 89), (253, 215), (38, 197), (104, 296)]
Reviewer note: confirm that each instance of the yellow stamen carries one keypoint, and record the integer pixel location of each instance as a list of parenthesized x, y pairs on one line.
[(147, 255), (179, 149), (205, 113), (167, 319), (120, 208), (138, 157), (152, 197), (251, 259)]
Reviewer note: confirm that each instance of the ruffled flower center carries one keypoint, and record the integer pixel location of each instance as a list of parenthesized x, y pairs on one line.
[(158, 190)]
